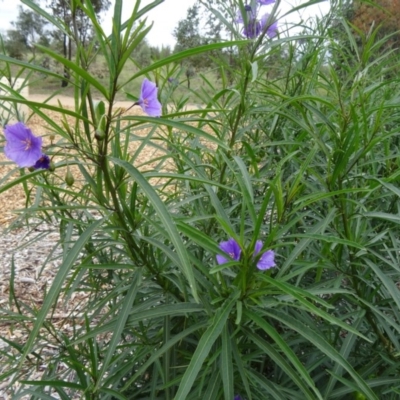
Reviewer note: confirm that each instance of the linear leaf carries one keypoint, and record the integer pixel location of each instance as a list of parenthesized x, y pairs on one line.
[(39, 10), (168, 223), (78, 70), (326, 348), (120, 323), (178, 125), (347, 347), (301, 296), (226, 364), (387, 282), (205, 241), (301, 371), (56, 287), (187, 53), (204, 347), (159, 352), (158, 311)]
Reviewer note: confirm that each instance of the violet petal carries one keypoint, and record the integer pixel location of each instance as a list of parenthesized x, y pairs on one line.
[(22, 146)]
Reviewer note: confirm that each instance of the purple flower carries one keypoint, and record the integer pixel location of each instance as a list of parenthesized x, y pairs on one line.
[(272, 29), (22, 146), (267, 260), (43, 162), (232, 248), (237, 397), (266, 2), (148, 99), (252, 29), (249, 12)]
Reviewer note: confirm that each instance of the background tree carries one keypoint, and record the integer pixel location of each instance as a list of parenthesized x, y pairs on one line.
[(77, 22), (158, 53), (369, 15), (15, 44), (378, 19), (29, 30), (384, 13), (142, 54), (187, 35)]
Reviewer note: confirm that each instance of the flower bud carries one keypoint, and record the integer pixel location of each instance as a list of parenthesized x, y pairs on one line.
[(52, 167), (69, 178), (52, 137), (99, 135)]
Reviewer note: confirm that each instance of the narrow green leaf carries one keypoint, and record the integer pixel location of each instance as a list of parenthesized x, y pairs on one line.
[(213, 386), (226, 364), (119, 324), (382, 215), (46, 106), (189, 178), (223, 266), (320, 226), (178, 125), (168, 223), (58, 281), (246, 176), (267, 387), (135, 317), (326, 348), (315, 197), (328, 239), (346, 349), (288, 352), (29, 66), (387, 282), (39, 10), (204, 347), (203, 240), (54, 383), (158, 353), (113, 393), (301, 296), (175, 58), (254, 71), (241, 364), (78, 70)]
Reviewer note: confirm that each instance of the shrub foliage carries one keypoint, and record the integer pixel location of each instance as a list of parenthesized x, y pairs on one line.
[(290, 147)]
